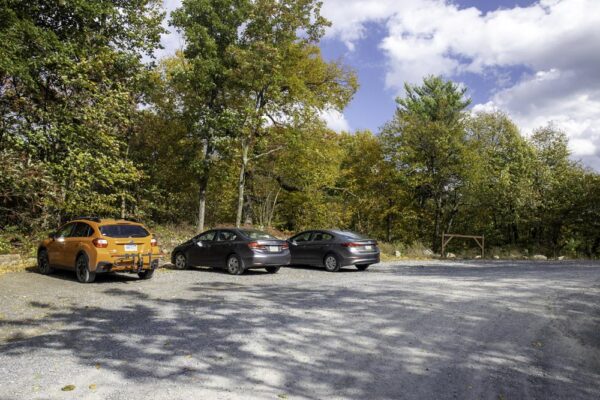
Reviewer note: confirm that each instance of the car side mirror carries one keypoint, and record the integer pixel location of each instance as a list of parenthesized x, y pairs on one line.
[(199, 243), (293, 243), (59, 239)]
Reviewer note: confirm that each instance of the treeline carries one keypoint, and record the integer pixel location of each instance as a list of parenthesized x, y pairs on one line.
[(229, 131)]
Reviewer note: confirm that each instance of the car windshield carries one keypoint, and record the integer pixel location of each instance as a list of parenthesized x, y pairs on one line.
[(123, 231), (256, 235), (351, 235)]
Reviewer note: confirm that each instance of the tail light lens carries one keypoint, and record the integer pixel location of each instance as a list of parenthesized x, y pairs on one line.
[(285, 246), (352, 244), (256, 246), (153, 242), (100, 243)]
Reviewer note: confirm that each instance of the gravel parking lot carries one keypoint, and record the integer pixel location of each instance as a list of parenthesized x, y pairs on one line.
[(402, 330)]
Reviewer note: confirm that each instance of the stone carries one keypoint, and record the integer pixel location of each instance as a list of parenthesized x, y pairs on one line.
[(397, 254), (540, 257), (30, 261), (561, 258), (8, 260), (450, 255), (478, 257), (428, 253), (496, 257)]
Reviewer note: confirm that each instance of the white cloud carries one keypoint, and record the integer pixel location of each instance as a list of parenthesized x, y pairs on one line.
[(335, 120), (557, 40)]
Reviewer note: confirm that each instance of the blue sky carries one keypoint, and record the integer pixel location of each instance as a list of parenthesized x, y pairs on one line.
[(538, 61), (374, 103)]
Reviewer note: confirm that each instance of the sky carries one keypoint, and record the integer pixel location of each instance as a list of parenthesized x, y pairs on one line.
[(538, 61)]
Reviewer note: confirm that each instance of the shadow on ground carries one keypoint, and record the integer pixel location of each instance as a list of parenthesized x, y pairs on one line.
[(466, 331)]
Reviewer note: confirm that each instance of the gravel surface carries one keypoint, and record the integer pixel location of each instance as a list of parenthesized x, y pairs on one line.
[(402, 330)]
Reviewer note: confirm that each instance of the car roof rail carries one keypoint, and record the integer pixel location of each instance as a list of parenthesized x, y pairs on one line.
[(94, 219)]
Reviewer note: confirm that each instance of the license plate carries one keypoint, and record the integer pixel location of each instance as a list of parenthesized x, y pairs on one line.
[(131, 247), (368, 247), (273, 249)]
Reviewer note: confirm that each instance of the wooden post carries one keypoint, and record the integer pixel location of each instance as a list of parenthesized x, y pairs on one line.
[(482, 247), (443, 245)]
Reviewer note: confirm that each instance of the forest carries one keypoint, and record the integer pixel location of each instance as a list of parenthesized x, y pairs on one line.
[(229, 131)]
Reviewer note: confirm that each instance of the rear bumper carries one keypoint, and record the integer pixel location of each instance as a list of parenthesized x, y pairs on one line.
[(129, 263), (267, 260), (360, 259)]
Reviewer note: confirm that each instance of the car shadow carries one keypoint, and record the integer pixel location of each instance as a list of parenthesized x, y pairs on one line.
[(322, 269), (108, 277)]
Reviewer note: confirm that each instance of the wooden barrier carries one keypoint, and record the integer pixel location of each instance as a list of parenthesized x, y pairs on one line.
[(480, 240)]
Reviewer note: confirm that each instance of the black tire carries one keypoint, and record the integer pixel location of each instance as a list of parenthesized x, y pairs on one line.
[(272, 270), (43, 265), (146, 274), (82, 270), (181, 261), (234, 265), (362, 267), (331, 263)]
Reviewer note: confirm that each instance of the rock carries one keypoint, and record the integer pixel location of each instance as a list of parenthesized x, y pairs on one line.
[(397, 254), (539, 257), (8, 260), (450, 255), (561, 258), (31, 261), (478, 257), (428, 253), (496, 257), (524, 258)]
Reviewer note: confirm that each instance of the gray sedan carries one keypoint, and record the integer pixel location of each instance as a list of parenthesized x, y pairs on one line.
[(333, 249), (236, 250)]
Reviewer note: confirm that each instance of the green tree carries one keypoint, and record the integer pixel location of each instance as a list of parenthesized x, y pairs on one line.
[(500, 196), (428, 144), (69, 75)]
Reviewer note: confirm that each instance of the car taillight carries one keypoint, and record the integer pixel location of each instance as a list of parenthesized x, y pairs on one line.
[(101, 243), (153, 242), (256, 246), (285, 246), (352, 244)]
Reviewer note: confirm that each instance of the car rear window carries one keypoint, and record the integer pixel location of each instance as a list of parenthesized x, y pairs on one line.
[(352, 235), (123, 231), (257, 235)]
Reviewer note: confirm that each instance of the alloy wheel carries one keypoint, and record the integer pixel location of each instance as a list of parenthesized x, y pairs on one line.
[(180, 261), (233, 266), (331, 263)]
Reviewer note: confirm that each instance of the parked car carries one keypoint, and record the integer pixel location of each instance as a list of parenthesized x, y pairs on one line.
[(235, 250), (90, 245), (333, 249)]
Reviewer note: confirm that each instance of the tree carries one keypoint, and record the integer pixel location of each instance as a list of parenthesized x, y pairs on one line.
[(211, 29), (69, 74), (280, 76), (501, 197), (427, 142)]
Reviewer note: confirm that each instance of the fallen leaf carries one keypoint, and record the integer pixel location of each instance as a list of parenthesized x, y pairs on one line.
[(68, 388), (93, 386), (97, 366)]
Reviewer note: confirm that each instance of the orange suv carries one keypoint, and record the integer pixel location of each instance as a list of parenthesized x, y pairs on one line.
[(92, 245)]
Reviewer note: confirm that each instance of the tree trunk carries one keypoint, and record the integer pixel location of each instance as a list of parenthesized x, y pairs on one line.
[(201, 205), (435, 244), (242, 184), (203, 186)]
